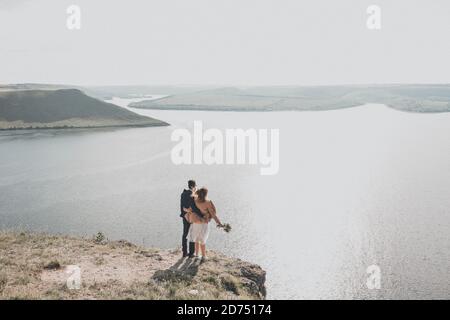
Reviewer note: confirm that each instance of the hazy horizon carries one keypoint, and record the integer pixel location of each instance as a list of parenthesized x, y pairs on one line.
[(219, 85), (224, 43)]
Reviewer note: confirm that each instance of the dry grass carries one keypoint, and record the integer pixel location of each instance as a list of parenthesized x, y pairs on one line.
[(33, 266)]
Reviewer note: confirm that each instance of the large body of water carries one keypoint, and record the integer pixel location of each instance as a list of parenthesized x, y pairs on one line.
[(356, 187)]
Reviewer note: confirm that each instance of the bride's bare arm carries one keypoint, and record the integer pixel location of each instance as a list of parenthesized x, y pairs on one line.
[(212, 211)]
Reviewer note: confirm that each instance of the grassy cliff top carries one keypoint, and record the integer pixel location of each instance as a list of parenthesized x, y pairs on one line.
[(35, 266)]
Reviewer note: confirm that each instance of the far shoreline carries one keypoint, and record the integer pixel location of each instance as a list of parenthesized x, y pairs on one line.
[(231, 110), (165, 124)]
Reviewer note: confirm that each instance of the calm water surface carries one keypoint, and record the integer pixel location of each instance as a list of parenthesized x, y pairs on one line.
[(356, 187)]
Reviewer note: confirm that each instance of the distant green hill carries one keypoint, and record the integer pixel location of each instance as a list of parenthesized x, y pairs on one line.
[(413, 98), (108, 92), (63, 108)]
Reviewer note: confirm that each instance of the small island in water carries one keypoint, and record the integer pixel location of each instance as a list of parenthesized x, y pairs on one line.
[(39, 266), (63, 108)]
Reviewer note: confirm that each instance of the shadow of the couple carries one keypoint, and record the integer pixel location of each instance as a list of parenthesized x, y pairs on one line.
[(188, 266), (183, 269)]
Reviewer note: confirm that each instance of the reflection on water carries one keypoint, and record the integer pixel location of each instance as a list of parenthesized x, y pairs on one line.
[(356, 187)]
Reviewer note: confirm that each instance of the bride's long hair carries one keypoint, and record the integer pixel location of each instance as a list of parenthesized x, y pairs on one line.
[(201, 194)]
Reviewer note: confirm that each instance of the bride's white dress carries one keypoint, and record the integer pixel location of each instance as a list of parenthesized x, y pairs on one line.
[(198, 232)]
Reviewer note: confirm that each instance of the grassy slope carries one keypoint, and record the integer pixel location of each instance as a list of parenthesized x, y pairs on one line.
[(32, 266), (63, 108)]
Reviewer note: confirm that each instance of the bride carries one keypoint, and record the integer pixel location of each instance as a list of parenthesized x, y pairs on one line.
[(199, 229)]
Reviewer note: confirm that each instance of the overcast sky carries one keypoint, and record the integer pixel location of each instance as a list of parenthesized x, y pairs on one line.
[(247, 42)]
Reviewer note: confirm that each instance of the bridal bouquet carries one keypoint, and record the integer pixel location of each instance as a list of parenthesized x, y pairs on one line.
[(226, 227)]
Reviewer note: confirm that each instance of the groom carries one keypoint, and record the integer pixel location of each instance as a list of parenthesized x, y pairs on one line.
[(187, 201)]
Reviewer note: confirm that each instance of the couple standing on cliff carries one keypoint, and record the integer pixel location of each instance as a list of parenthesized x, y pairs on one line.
[(196, 211)]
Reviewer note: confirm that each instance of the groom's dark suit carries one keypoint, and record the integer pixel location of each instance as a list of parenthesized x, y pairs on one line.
[(187, 202)]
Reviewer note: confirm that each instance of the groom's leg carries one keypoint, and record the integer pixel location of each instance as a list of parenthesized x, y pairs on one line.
[(184, 241), (191, 248)]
